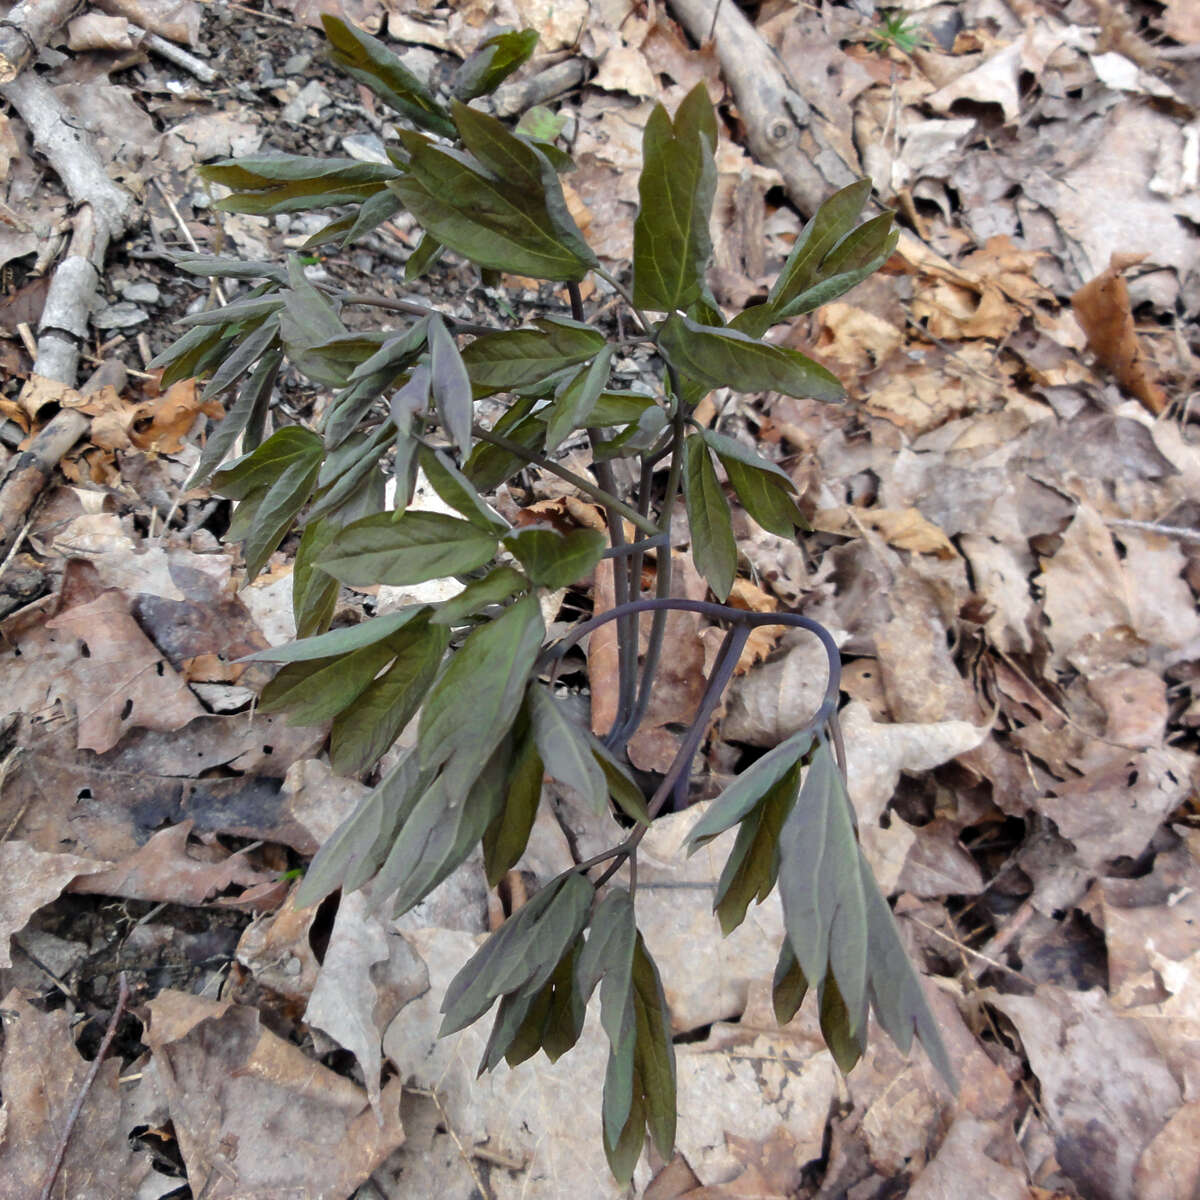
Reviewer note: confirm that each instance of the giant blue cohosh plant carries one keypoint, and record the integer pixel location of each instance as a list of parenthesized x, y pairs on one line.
[(477, 667)]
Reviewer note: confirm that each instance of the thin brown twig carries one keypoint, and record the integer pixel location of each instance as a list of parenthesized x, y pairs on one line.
[(468, 1159), (111, 1032)]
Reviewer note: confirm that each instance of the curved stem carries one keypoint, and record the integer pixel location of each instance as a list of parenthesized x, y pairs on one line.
[(715, 612), (586, 486)]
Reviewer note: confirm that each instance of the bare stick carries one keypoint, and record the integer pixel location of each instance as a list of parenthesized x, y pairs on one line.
[(111, 1032), (174, 54)]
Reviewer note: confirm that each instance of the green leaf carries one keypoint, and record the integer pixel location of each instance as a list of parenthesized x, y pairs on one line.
[(824, 908), (552, 559), (727, 358), (671, 240), (251, 408), (767, 501), (789, 987), (363, 732), (450, 384), (474, 703), (895, 990), (339, 641), (273, 484), (519, 163), (608, 956), (440, 833), (573, 405), (859, 254), (495, 59), (709, 519), (493, 222), (507, 836), (192, 354), (472, 991), (620, 408), (314, 593), (239, 311), (836, 1022), (369, 61), (523, 954), (761, 486), (541, 123), (354, 851), (457, 491), (347, 469), (753, 864), (370, 379), (622, 787), (259, 341), (565, 1016), (655, 1050), (829, 224), (493, 588), (565, 749), (505, 361), (286, 183), (830, 257), (317, 690), (410, 549), (213, 266), (411, 400), (428, 251), (623, 1150), (748, 789)]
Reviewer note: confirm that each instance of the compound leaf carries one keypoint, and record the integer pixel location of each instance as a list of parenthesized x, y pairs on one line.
[(364, 731), (369, 61)]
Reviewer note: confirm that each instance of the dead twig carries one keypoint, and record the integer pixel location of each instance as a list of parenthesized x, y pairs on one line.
[(468, 1158), (111, 1032), (174, 54)]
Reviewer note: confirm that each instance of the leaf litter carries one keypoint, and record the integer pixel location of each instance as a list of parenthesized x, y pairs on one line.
[(1005, 546)]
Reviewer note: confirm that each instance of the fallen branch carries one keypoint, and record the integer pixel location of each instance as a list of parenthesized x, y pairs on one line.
[(25, 30), (111, 1032), (174, 54), (103, 212), (781, 128)]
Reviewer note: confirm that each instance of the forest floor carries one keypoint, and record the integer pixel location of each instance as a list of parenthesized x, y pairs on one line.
[(1006, 546)]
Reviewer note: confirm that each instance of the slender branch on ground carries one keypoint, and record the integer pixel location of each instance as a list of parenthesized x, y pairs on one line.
[(64, 1138)]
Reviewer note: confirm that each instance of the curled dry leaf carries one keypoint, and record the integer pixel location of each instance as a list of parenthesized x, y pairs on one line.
[(1103, 308)]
